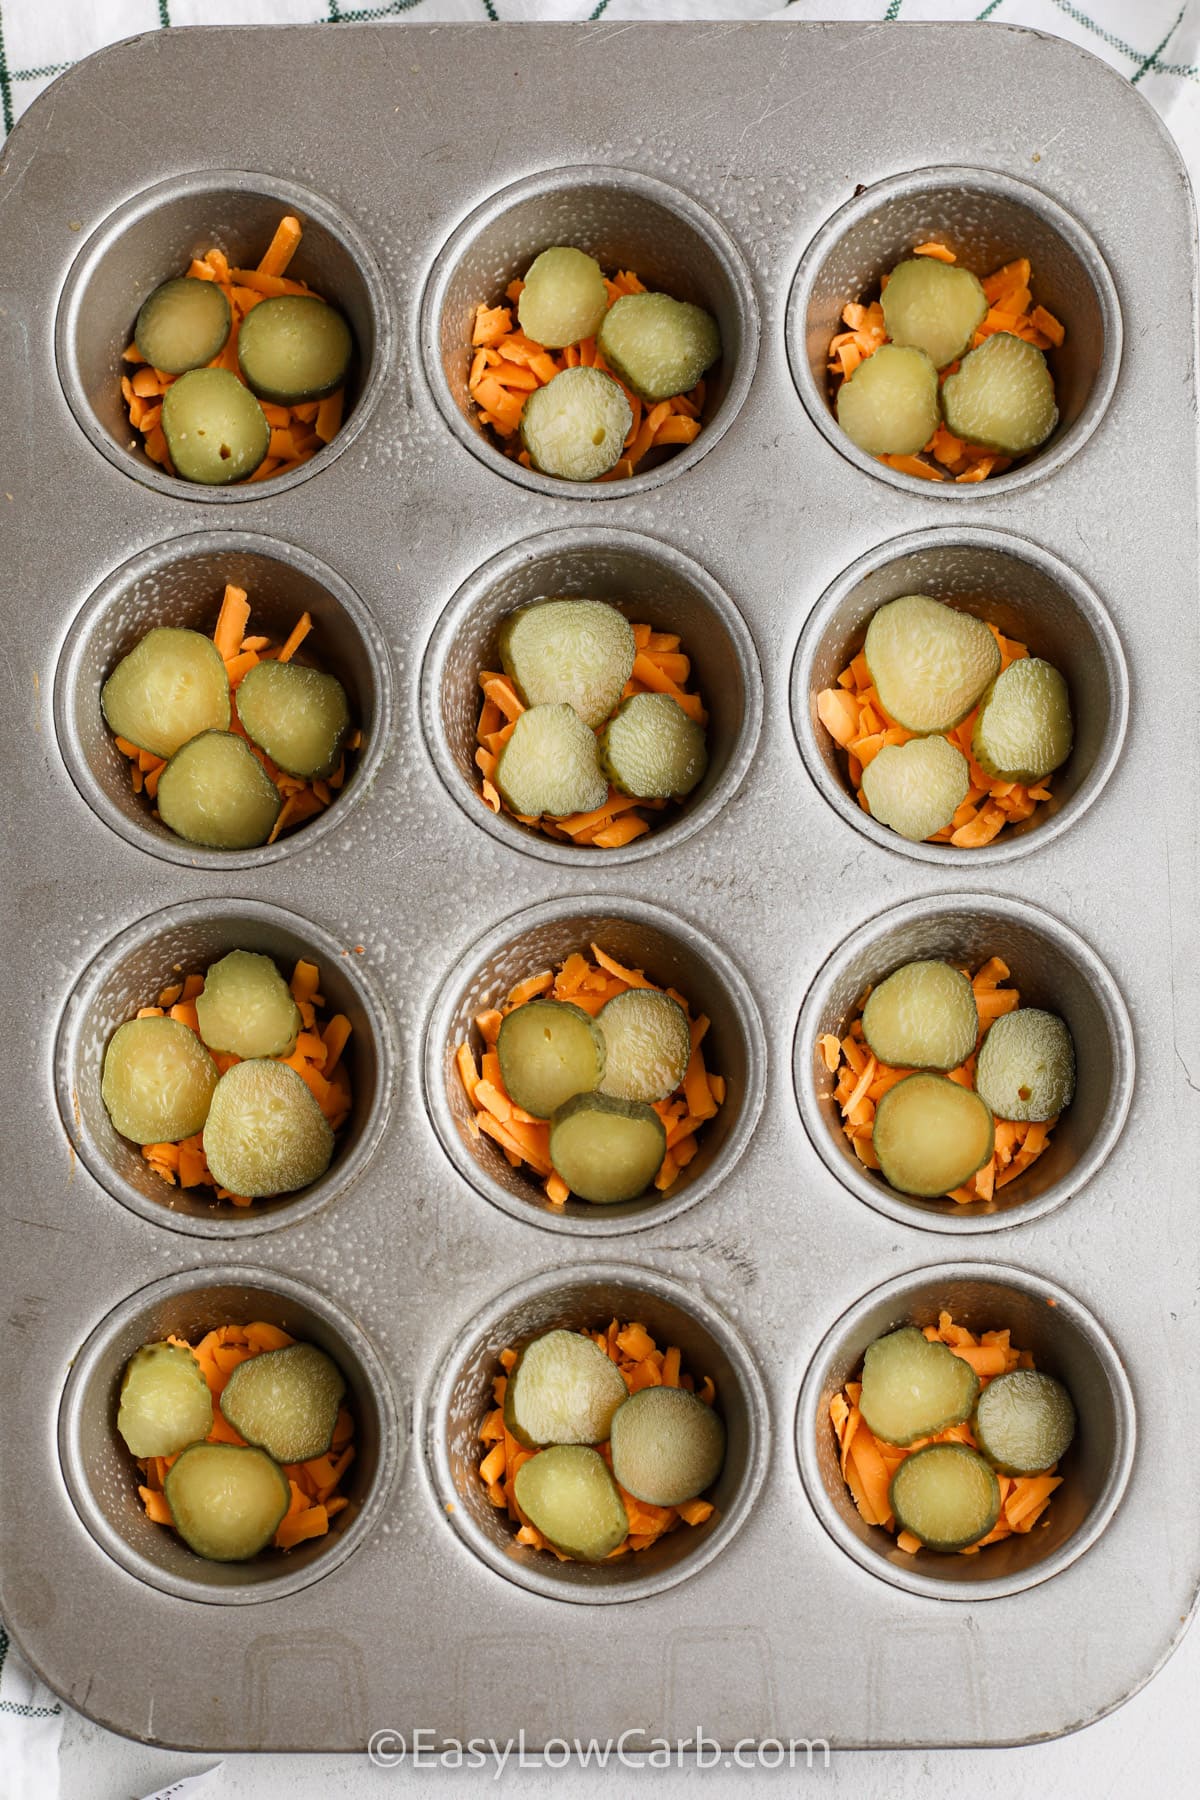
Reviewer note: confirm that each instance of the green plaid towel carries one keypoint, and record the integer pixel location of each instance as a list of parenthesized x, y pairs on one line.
[(1156, 43)]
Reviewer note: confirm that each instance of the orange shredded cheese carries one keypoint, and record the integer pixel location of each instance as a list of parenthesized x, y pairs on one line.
[(1010, 308), (506, 365), (526, 1140), (860, 1082), (643, 1365), (854, 716), (315, 1484), (297, 432), (317, 1059), (868, 1463), (660, 666)]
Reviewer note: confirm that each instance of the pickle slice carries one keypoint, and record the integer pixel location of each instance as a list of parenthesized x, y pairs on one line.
[(929, 662), (227, 1500), (564, 297), (567, 1493), (299, 716), (246, 1007), (889, 406), (647, 1045), (922, 1017), (607, 1150), (1002, 396), (667, 1446), (286, 1401), (576, 425), (182, 325), (214, 791), (215, 429), (917, 787), (293, 348), (165, 1402), (1026, 1067), (946, 1495), (577, 652), (1024, 729), (158, 1081), (549, 1051), (563, 1390), (659, 346), (265, 1134), (933, 306), (652, 750), (931, 1135), (913, 1386), (170, 687), (1024, 1422), (551, 765)]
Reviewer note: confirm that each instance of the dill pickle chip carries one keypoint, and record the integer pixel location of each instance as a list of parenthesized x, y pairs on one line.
[(917, 787), (1025, 729), (606, 1149), (215, 429), (1026, 1066), (933, 306), (947, 1495), (574, 652), (170, 687), (563, 1389), (551, 765), (227, 1500), (647, 1045), (1024, 1422), (889, 406), (293, 348), (923, 1016), (931, 1135), (563, 299), (651, 750), (913, 1387), (1002, 396), (658, 346), (549, 1051), (158, 1081), (929, 661), (183, 324), (569, 1495), (265, 1134), (214, 791), (246, 1008), (286, 1401), (299, 716), (165, 1401), (667, 1446), (575, 427)]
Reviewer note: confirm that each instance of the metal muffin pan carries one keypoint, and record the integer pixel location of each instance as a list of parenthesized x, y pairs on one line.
[(431, 1256)]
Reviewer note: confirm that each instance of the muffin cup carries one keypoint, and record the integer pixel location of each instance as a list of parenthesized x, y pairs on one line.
[(1054, 969), (646, 581), (673, 954), (129, 972), (626, 220), (102, 1477), (1029, 595), (987, 219), (1065, 1340), (587, 1297), (179, 583)]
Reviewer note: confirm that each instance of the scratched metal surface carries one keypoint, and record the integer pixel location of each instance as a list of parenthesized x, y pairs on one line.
[(781, 1634)]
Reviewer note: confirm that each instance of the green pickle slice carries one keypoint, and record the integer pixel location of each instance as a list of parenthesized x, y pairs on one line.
[(1024, 730), (170, 687), (563, 1390), (929, 662), (165, 1401), (564, 297), (227, 1500), (158, 1081), (1002, 396), (246, 1007), (215, 429), (574, 652), (946, 1495), (931, 1135), (214, 791), (923, 1016), (569, 1495), (549, 1050), (182, 325), (917, 787), (293, 348), (667, 1446), (659, 346), (265, 1134), (933, 306), (286, 1401), (913, 1387), (1026, 1066), (1024, 1422), (652, 750), (647, 1045), (889, 406), (551, 765), (607, 1150), (299, 716), (575, 427)]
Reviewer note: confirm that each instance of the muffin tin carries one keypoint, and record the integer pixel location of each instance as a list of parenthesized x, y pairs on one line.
[(775, 1260)]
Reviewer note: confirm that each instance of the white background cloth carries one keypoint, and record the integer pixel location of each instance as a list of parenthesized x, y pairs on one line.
[(1154, 43)]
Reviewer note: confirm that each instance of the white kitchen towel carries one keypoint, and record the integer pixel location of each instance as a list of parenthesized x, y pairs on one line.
[(1155, 43)]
